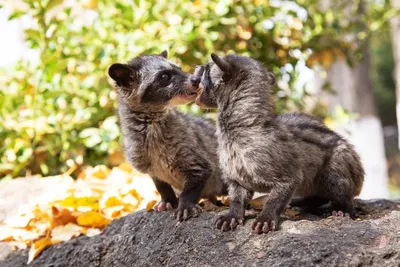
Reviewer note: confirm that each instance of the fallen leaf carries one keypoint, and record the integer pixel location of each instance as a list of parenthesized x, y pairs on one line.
[(92, 231), (21, 220), (92, 219), (134, 193), (38, 247), (125, 167), (65, 232), (113, 212), (131, 200), (291, 212), (93, 200), (75, 202), (8, 233), (61, 217), (150, 205), (257, 203), (113, 201), (225, 200), (208, 205), (100, 171)]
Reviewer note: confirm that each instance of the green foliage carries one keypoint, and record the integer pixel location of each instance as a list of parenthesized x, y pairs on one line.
[(382, 75), (60, 112)]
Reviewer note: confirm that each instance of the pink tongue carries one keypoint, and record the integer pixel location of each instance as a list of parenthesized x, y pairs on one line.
[(198, 102)]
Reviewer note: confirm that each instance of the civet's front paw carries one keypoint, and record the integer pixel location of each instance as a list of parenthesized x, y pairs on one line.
[(162, 206), (229, 221), (265, 223), (186, 211)]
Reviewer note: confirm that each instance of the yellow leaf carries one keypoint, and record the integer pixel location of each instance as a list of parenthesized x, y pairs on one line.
[(92, 219), (125, 167), (38, 247), (150, 205), (41, 214), (197, 3), (65, 232), (113, 201), (113, 212), (100, 171), (75, 202), (90, 4), (117, 157), (134, 193), (131, 200)]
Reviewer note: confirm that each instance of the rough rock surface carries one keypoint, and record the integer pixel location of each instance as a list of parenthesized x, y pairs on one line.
[(150, 239)]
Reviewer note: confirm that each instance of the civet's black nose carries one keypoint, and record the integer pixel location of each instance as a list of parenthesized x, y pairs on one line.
[(195, 80)]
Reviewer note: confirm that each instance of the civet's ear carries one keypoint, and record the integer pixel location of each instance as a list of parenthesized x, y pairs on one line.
[(198, 71), (195, 78), (122, 74), (164, 54), (223, 65), (271, 78)]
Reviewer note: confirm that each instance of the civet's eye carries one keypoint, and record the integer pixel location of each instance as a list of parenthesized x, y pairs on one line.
[(165, 77)]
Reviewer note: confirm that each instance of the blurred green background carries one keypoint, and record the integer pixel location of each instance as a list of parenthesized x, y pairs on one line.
[(58, 112)]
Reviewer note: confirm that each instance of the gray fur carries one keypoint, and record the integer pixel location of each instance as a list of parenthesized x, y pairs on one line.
[(175, 149), (284, 155)]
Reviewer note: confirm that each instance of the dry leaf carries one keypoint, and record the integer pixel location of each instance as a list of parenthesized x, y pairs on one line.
[(125, 167), (131, 200), (97, 196), (208, 205), (65, 232), (292, 212), (100, 171), (257, 203), (8, 233), (21, 220), (92, 231), (61, 217), (113, 212), (74, 202), (225, 200), (92, 219), (150, 205), (134, 193), (38, 247), (113, 201)]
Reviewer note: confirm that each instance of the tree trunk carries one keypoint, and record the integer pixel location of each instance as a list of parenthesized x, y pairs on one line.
[(395, 22)]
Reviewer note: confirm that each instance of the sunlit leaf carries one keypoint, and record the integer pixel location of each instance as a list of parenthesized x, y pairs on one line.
[(16, 14), (61, 217), (53, 3), (92, 219), (100, 171), (150, 205), (74, 202), (38, 247), (65, 232), (113, 201)]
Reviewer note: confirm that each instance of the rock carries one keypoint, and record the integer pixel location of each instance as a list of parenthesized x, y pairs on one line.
[(151, 239)]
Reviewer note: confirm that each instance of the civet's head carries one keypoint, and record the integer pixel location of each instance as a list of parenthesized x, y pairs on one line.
[(151, 82), (219, 79)]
